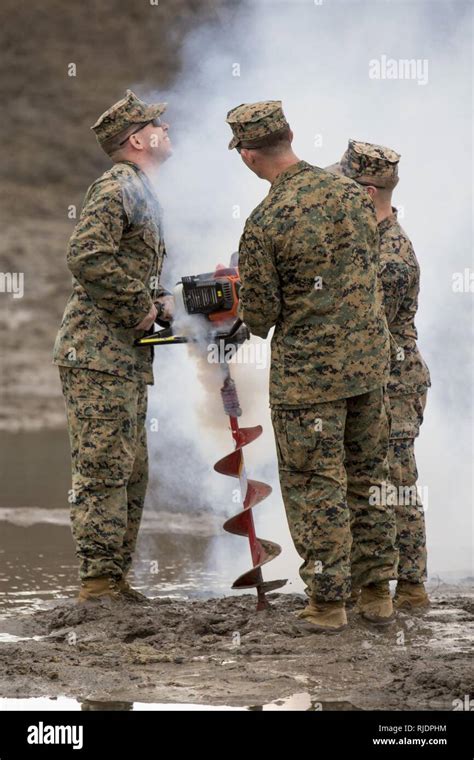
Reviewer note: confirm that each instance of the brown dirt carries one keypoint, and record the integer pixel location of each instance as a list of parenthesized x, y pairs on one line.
[(187, 652)]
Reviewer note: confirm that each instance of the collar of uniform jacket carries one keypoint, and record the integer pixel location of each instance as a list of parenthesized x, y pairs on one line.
[(144, 178), (386, 223), (133, 165), (290, 172)]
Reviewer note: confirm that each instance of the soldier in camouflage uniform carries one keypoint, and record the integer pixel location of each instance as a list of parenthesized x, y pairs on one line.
[(116, 255), (308, 262), (376, 168)]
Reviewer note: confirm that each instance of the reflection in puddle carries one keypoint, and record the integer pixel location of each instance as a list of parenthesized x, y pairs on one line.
[(180, 553), (301, 701), (38, 568)]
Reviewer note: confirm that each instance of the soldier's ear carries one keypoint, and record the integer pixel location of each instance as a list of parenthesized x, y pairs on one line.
[(136, 141), (372, 191), (247, 156)]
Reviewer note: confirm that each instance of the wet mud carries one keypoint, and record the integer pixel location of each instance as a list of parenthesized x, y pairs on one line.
[(222, 652)]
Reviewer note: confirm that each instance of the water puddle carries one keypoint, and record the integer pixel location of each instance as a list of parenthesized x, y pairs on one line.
[(38, 568), (179, 554), (452, 637), (183, 554), (300, 701)]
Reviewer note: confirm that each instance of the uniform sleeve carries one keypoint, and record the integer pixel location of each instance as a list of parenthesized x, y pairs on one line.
[(395, 281), (260, 296), (92, 259)]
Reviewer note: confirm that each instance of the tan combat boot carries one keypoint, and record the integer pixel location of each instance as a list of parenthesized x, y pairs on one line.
[(410, 596), (101, 587), (129, 593), (323, 617), (375, 603)]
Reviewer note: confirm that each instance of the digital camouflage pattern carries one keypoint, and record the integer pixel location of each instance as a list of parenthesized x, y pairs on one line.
[(121, 119), (409, 375), (309, 261), (407, 388), (116, 255), (399, 269), (106, 420), (250, 122), (369, 164), (407, 410), (400, 273), (330, 456)]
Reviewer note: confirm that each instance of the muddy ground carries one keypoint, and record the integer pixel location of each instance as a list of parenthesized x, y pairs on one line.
[(221, 652)]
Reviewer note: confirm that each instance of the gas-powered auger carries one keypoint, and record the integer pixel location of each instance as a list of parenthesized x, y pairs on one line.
[(214, 299)]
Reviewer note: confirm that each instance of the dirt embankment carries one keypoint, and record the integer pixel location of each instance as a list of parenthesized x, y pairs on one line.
[(221, 652), (50, 157)]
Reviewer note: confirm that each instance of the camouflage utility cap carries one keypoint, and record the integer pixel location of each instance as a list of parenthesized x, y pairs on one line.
[(367, 163), (121, 119), (251, 122)]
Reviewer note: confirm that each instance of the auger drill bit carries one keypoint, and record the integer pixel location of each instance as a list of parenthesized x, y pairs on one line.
[(252, 493)]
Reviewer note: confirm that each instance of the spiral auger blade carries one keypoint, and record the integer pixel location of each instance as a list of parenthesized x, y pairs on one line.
[(253, 492)]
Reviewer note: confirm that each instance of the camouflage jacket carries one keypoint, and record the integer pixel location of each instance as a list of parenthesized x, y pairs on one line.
[(309, 261), (115, 254), (400, 275)]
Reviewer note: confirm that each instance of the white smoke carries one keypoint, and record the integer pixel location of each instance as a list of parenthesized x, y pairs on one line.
[(315, 57)]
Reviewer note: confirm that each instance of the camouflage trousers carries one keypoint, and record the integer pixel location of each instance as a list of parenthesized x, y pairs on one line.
[(333, 461), (407, 416), (106, 420)]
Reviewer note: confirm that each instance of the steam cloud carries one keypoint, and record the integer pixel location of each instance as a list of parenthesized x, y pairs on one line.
[(316, 57)]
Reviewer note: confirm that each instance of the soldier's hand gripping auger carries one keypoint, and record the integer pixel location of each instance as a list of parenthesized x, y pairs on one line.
[(214, 299)]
